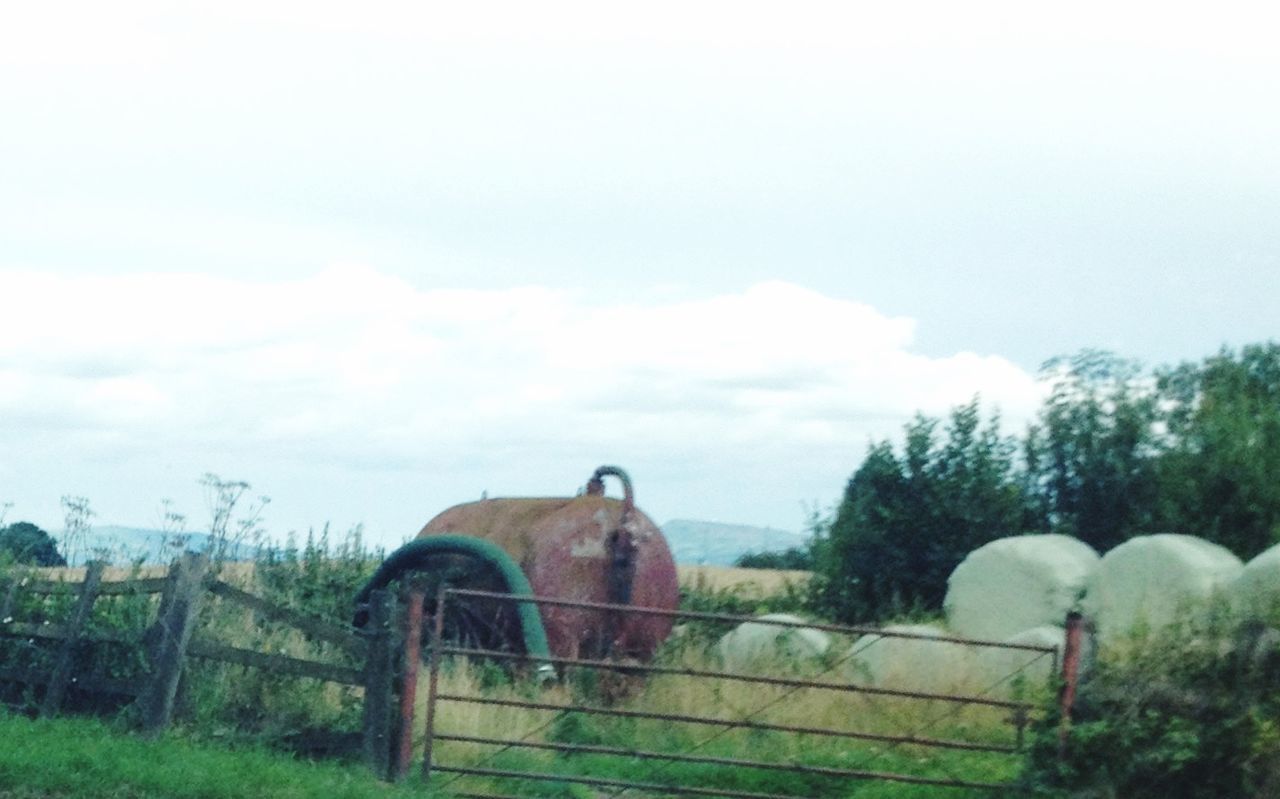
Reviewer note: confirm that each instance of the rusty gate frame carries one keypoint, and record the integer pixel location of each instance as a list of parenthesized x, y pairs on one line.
[(1019, 718)]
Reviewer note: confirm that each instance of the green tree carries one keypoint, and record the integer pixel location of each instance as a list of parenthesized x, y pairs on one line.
[(1091, 459), (1220, 478), (27, 543), (906, 522), (797, 558)]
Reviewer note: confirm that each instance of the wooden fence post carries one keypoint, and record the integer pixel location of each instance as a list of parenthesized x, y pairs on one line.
[(10, 596), (379, 671), (65, 663), (172, 633)]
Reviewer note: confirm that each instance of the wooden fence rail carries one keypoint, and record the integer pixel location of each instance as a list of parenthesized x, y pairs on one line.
[(171, 639)]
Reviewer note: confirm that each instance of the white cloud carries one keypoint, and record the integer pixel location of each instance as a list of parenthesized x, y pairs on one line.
[(356, 369)]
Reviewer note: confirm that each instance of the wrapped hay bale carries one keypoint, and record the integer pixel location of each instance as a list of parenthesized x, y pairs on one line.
[(1256, 592), (912, 664), (1154, 580), (752, 645), (1004, 671), (1015, 584)]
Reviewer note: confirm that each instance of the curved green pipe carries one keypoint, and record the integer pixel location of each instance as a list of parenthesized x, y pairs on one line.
[(416, 553)]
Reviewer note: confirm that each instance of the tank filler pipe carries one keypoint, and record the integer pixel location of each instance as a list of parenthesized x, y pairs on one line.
[(595, 487)]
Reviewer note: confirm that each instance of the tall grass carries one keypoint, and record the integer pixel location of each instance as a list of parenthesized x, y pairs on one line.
[(318, 577), (717, 698)]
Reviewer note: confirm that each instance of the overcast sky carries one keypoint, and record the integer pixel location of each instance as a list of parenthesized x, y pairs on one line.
[(378, 258)]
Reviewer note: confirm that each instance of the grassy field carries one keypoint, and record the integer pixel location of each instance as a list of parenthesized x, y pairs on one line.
[(679, 694), (85, 759)]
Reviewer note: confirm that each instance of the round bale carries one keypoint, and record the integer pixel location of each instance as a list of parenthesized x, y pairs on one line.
[(1256, 592), (1018, 583), (1154, 580), (1005, 670), (918, 663), (752, 644)]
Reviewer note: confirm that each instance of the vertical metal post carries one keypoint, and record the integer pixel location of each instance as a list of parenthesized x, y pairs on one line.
[(409, 676), (437, 634), (1070, 676), (1020, 721)]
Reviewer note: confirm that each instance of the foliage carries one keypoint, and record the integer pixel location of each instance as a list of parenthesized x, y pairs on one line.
[(1090, 457), (797, 558), (226, 532), (321, 576), (125, 613), (319, 579), (906, 521), (26, 543), (1219, 477), (84, 759), (75, 527), (1188, 715)]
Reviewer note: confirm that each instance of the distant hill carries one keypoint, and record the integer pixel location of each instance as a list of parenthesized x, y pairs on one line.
[(715, 544), (692, 543), (120, 545)]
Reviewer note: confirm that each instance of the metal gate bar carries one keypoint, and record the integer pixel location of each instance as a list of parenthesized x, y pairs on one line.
[(761, 726), (704, 616), (641, 754), (641, 668), (605, 782)]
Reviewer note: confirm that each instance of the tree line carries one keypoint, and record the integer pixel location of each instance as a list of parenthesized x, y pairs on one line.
[(1116, 450)]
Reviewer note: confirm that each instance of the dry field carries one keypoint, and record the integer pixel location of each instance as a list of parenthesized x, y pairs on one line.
[(749, 582), (753, 582)]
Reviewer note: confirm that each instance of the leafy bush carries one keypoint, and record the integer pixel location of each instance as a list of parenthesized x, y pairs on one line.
[(26, 543), (1185, 715)]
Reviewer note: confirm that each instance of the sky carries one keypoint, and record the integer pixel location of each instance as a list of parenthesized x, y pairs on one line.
[(379, 259)]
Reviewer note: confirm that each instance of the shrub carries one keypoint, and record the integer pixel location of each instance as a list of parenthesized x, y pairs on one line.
[(1189, 715)]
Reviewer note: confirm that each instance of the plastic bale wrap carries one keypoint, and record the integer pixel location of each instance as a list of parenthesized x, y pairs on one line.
[(1018, 583), (1152, 581), (912, 664), (1256, 592), (1007, 672), (752, 645)]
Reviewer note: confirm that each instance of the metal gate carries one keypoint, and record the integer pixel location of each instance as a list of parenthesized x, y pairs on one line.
[(684, 725)]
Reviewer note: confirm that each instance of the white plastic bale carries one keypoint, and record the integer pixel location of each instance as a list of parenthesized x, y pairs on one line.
[(1256, 592), (1017, 583), (753, 645), (1154, 580), (1003, 671), (912, 664)]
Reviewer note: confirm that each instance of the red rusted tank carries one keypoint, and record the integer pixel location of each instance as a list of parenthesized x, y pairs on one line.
[(589, 548)]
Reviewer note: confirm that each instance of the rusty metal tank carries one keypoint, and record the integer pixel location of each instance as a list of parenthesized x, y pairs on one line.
[(585, 548), (589, 548)]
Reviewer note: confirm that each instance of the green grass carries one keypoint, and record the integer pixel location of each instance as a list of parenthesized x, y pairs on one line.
[(73, 758)]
